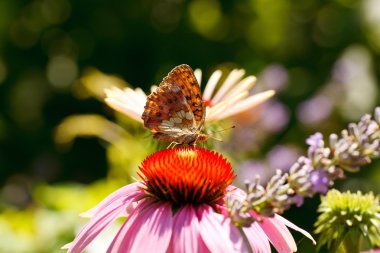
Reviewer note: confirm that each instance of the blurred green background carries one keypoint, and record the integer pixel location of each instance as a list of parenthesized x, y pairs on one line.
[(322, 57)]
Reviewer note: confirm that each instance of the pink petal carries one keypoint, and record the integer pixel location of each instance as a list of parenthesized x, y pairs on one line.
[(148, 229), (278, 234), (119, 195), (211, 84), (67, 245), (247, 103), (232, 79), (257, 238), (186, 237), (296, 228), (102, 218), (243, 85), (236, 192), (133, 112), (217, 232), (198, 76)]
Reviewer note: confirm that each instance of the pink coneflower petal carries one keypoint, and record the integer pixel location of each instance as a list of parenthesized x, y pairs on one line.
[(231, 80), (218, 234), (236, 98), (236, 192), (198, 76), (214, 112), (128, 110), (243, 85), (128, 101), (101, 219), (277, 234), (136, 98), (248, 103), (258, 240), (186, 237), (119, 195), (211, 84), (148, 229), (296, 228)]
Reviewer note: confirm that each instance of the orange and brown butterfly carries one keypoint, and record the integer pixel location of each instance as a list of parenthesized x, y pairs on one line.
[(175, 112)]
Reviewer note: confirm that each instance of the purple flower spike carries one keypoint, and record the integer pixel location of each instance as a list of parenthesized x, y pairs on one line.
[(315, 173)]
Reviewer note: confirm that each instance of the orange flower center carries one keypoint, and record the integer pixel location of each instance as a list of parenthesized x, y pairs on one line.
[(186, 176)]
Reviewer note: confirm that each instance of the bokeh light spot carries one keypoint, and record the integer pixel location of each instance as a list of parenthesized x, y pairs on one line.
[(61, 71), (207, 19)]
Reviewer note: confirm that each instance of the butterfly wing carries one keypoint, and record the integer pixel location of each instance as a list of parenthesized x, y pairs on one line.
[(183, 76), (167, 113)]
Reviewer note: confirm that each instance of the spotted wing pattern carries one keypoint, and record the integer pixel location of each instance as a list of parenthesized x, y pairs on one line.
[(175, 112), (184, 77), (167, 113)]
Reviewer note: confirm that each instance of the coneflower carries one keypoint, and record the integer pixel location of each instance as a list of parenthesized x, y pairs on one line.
[(179, 206)]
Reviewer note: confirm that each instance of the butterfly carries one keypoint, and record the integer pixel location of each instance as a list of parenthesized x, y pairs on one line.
[(175, 112)]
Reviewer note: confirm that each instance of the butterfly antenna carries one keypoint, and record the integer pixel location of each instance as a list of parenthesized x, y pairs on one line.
[(217, 139), (225, 129)]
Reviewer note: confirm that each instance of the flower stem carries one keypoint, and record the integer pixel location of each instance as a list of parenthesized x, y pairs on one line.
[(352, 242)]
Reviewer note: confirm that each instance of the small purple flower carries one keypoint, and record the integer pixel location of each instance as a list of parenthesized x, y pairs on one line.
[(315, 141), (298, 200), (319, 180)]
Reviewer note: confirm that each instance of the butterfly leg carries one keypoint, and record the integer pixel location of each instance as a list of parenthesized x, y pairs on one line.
[(194, 143), (173, 144)]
